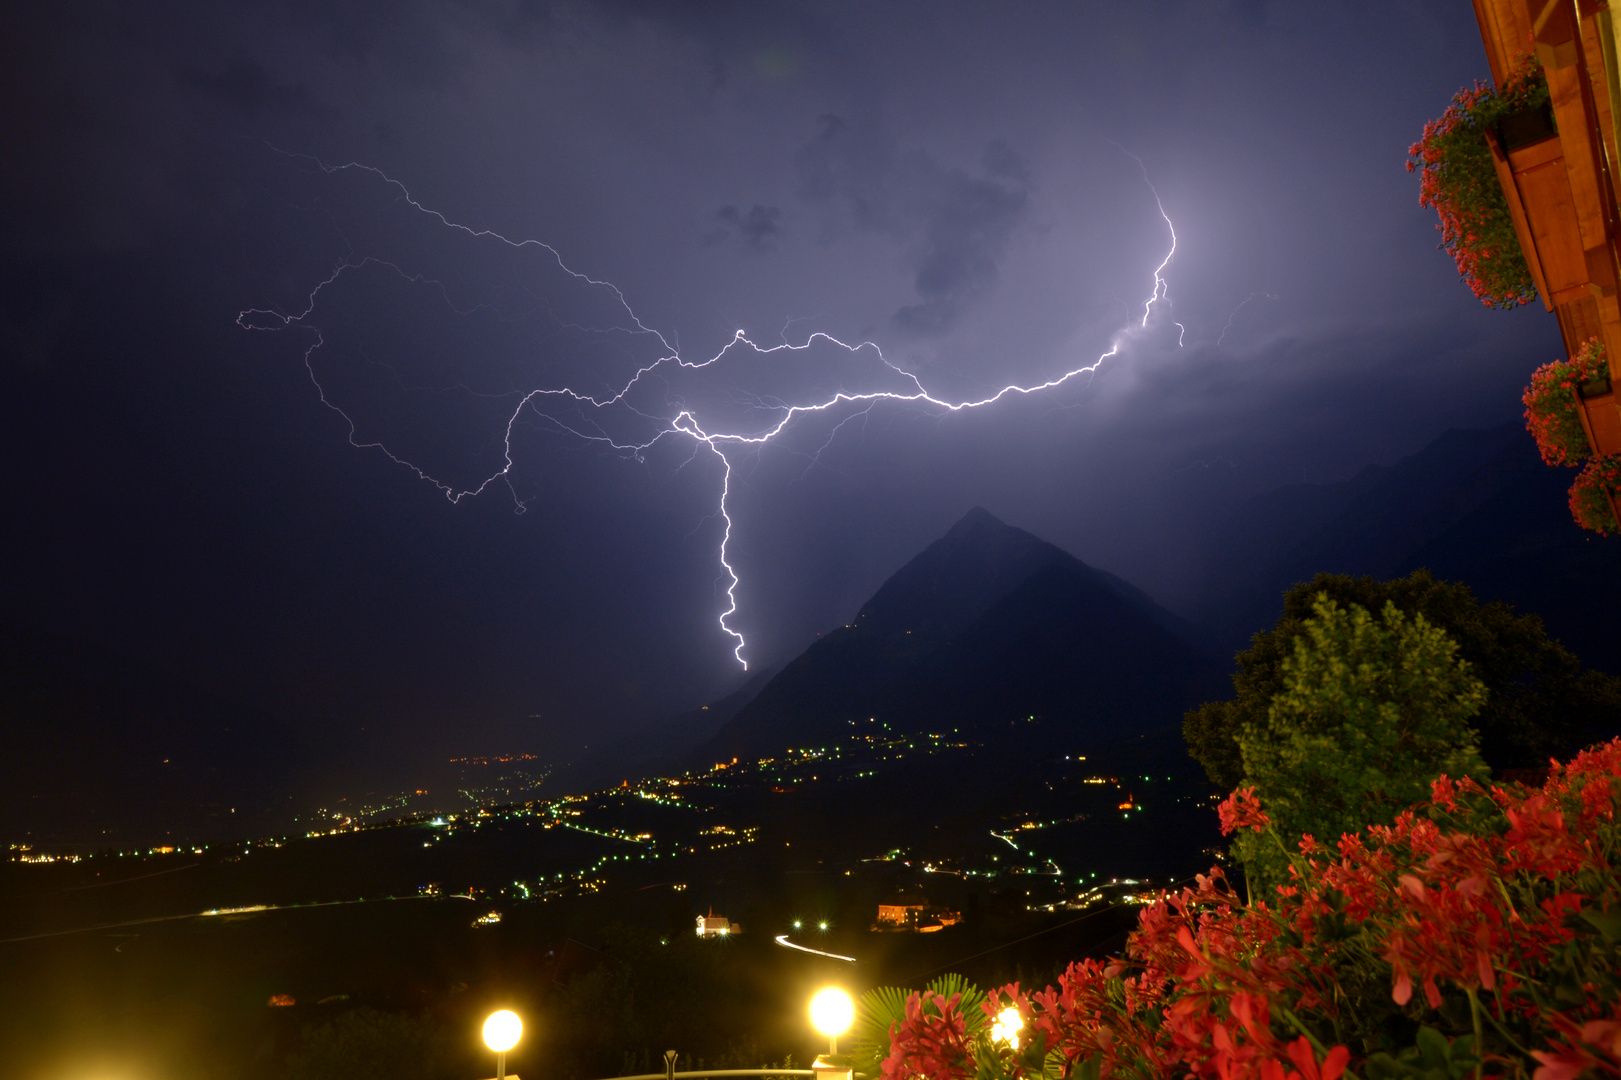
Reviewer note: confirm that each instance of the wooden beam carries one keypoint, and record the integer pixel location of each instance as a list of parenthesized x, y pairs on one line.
[(1576, 139), (1555, 33), (1505, 30), (1516, 211), (1601, 422)]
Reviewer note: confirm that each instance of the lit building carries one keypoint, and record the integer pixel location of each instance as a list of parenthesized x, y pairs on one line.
[(713, 925), (914, 913)]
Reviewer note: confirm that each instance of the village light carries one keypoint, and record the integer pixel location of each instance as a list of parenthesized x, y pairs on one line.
[(832, 1012), (501, 1033)]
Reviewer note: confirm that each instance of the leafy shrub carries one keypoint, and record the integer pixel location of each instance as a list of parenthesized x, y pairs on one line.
[(1370, 711), (1540, 702)]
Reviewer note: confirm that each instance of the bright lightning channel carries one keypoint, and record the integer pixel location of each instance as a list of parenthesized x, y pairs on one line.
[(684, 424)]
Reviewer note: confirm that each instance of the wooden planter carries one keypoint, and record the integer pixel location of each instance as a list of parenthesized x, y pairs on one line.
[(1534, 177)]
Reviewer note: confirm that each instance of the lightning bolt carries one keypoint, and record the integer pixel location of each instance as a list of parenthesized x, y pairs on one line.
[(685, 424), (1262, 295)]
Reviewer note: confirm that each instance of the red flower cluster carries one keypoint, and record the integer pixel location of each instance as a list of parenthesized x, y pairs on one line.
[(1551, 415), (1501, 904), (1595, 1045), (1551, 404), (1591, 495), (1459, 181), (1242, 810), (932, 1041)]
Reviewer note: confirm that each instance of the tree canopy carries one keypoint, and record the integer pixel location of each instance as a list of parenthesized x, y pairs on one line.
[(1372, 709), (1540, 701)]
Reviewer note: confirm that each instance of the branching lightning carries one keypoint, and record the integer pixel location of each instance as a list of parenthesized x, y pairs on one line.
[(1241, 305), (685, 424)]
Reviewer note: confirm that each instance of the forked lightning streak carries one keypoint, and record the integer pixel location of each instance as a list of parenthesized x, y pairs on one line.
[(685, 424)]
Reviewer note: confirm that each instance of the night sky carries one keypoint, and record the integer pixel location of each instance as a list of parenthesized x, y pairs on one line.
[(971, 188)]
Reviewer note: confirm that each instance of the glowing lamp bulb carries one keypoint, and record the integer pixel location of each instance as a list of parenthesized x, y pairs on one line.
[(502, 1030), (1006, 1028), (832, 1012)]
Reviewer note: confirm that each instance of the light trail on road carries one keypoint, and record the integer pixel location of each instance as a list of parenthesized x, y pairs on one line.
[(782, 939), (213, 913)]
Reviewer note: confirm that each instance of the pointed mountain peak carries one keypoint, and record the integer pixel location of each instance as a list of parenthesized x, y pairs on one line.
[(976, 520), (957, 578)]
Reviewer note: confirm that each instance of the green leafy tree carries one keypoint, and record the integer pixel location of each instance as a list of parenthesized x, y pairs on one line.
[(1540, 701), (1372, 709)]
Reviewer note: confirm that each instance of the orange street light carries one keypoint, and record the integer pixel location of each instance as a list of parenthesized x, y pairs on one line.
[(501, 1033), (832, 1012)]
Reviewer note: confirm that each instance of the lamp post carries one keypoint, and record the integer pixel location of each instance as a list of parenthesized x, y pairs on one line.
[(501, 1033), (832, 1013)]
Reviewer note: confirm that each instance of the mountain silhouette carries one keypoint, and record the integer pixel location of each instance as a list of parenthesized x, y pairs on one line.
[(1474, 506), (987, 627)]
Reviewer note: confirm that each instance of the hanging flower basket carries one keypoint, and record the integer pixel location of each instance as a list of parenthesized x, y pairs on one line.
[(1459, 182), (1553, 407), (1593, 495)]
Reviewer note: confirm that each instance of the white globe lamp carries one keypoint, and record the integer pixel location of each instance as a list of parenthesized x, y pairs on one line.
[(832, 1012), (501, 1033)]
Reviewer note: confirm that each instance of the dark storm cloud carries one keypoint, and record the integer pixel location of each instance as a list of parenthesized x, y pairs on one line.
[(955, 226), (253, 91), (839, 169), (759, 228), (967, 224)]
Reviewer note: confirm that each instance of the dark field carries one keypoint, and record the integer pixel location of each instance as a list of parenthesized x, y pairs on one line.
[(605, 983)]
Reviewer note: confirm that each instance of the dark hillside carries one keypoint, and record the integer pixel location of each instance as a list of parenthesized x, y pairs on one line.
[(986, 625), (1065, 646), (97, 751)]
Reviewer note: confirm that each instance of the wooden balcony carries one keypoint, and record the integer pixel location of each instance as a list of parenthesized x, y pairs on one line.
[(1561, 187)]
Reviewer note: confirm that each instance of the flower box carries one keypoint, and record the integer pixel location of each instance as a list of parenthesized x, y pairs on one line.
[(1470, 160), (1593, 496), (1568, 427)]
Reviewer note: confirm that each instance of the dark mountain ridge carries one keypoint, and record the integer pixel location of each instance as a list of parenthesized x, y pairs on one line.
[(987, 626), (1474, 506)]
